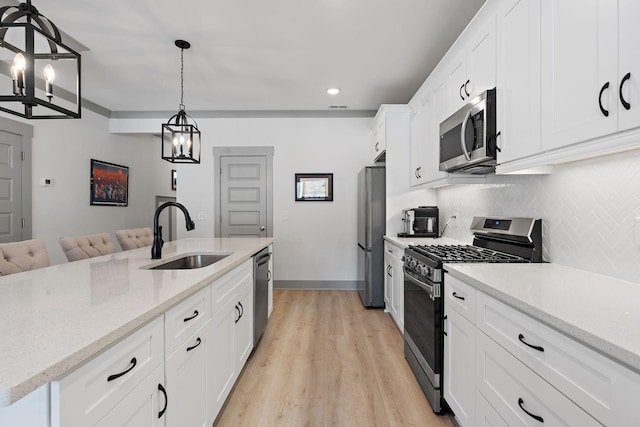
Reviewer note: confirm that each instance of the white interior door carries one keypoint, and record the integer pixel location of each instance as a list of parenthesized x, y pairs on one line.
[(10, 187), (243, 196)]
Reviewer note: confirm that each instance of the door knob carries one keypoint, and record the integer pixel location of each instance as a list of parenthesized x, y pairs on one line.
[(262, 228)]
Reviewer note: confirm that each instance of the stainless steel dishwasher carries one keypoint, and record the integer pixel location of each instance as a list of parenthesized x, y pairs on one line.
[(260, 293)]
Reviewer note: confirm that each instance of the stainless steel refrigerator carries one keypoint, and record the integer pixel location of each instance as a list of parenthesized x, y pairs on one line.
[(371, 229)]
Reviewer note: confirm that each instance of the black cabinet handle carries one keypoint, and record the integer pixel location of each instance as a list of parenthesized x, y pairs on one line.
[(604, 112), (625, 104), (465, 87), (377, 143), (198, 342), (390, 271), (459, 297), (195, 314), (535, 417), (420, 172), (268, 275), (416, 173), (443, 330), (460, 91), (241, 309), (238, 310), (133, 362), (535, 347), (166, 400)]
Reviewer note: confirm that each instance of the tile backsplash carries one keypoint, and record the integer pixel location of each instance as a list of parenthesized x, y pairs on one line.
[(588, 210)]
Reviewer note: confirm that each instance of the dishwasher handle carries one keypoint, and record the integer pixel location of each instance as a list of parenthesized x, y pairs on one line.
[(263, 259)]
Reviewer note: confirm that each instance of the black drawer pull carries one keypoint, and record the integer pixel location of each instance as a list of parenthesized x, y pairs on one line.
[(456, 296), (133, 362), (166, 400), (241, 309), (198, 342), (624, 102), (535, 347), (238, 310), (604, 112), (535, 417), (444, 324), (195, 314)]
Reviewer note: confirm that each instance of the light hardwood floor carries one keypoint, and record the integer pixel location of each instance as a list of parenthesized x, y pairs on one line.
[(324, 360)]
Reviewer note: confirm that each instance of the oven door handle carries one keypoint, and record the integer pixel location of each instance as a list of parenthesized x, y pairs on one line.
[(432, 290)]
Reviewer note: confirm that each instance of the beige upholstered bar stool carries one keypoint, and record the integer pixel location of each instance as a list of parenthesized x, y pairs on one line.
[(28, 255), (84, 247), (134, 238)]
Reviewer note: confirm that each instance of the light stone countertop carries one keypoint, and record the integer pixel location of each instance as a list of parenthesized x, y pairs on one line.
[(54, 319), (404, 242), (599, 311)]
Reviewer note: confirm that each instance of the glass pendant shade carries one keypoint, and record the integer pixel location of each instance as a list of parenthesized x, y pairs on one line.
[(39, 74), (181, 139)]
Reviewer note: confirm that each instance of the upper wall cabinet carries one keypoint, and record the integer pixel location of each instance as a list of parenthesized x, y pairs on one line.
[(379, 137), (473, 70), (518, 79), (589, 79)]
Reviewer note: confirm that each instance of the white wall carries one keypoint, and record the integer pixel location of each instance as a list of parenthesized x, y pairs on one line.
[(62, 150), (588, 210), (318, 241)]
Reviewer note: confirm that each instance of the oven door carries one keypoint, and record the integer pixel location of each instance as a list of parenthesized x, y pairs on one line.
[(423, 311)]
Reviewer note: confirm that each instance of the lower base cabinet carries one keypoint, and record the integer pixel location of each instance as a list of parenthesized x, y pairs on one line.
[(186, 381), (158, 376), (146, 405)]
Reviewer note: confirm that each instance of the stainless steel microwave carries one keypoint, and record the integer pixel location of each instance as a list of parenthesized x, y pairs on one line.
[(468, 137)]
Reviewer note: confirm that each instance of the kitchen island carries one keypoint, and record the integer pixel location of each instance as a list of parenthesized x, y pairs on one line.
[(56, 319)]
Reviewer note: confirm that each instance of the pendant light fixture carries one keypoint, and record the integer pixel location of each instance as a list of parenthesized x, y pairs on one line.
[(31, 56), (181, 138)]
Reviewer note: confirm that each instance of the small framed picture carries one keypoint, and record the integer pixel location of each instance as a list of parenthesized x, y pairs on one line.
[(174, 176), (314, 187), (109, 184)]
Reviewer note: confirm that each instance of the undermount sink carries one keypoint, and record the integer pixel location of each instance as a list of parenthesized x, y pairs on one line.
[(190, 262)]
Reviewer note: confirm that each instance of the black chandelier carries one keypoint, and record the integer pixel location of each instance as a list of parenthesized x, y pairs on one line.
[(32, 55), (180, 138)]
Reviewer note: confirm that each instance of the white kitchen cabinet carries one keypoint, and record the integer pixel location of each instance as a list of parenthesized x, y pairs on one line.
[(186, 381), (518, 79), (394, 283), (231, 338), (473, 69), (628, 64), (422, 142), (184, 319), (146, 405), (379, 138), (270, 282), (520, 396), (459, 363), (579, 71), (486, 415), (89, 393)]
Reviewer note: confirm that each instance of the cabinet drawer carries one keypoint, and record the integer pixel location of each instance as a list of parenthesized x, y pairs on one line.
[(461, 297), (520, 396), (223, 288), (90, 392), (186, 318), (595, 383), (393, 251)]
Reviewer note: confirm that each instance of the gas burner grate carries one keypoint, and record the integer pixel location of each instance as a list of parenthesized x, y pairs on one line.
[(464, 253)]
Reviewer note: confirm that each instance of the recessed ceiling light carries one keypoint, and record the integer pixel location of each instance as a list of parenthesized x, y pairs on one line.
[(333, 91)]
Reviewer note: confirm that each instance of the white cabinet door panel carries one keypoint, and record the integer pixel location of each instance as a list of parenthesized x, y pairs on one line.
[(579, 58), (459, 364), (518, 79), (629, 63)]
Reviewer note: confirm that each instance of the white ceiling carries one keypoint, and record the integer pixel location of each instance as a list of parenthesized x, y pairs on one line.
[(249, 55)]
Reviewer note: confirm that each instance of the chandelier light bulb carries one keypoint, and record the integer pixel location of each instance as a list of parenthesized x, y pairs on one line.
[(19, 62), (49, 73)]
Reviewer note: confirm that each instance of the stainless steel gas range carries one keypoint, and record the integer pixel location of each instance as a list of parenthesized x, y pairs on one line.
[(496, 240)]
